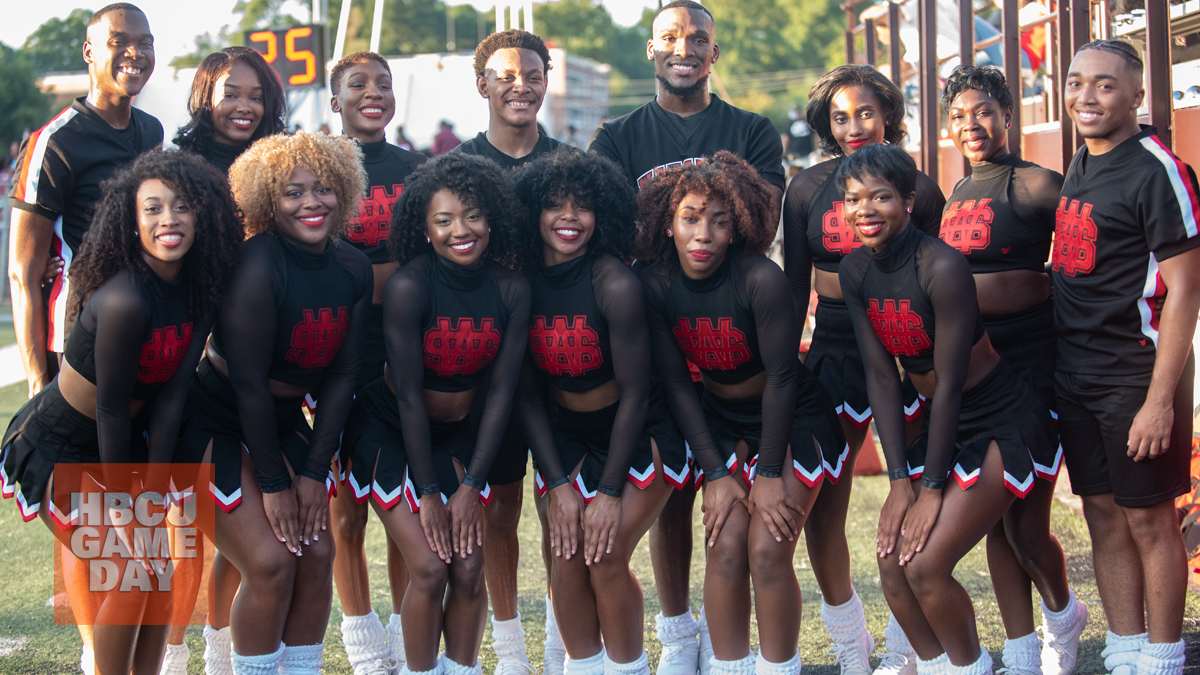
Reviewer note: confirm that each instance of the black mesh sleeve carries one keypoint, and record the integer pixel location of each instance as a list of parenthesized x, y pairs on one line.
[(169, 401), (619, 297), (928, 207), (671, 367), (121, 319), (1035, 195), (778, 345), (797, 258), (529, 407)]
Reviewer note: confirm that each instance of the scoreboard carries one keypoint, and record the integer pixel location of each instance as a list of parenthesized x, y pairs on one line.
[(297, 54)]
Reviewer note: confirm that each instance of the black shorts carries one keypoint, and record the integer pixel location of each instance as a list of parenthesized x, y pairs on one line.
[(586, 435), (373, 449), (1094, 416), (815, 417), (1004, 409), (512, 457), (1028, 343)]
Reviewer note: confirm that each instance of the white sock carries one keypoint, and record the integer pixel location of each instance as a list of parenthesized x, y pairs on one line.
[(555, 655), (395, 640), (175, 660), (1121, 652), (982, 665), (592, 665), (896, 641), (765, 667), (87, 661), (1059, 622), (508, 639), (673, 628), (436, 670), (639, 666), (935, 666), (743, 666), (260, 664), (452, 667), (217, 650), (1023, 653), (1161, 658), (365, 639), (302, 659), (706, 650)]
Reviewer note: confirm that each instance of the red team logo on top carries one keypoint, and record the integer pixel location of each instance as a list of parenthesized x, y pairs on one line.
[(720, 348), (649, 175), (162, 353), (900, 329), (462, 349), (967, 225), (836, 235), (317, 338), (1074, 239), (370, 226), (562, 349)]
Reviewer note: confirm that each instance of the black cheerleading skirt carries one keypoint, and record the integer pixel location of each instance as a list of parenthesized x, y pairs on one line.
[(45, 431), (1027, 342), (586, 435), (1001, 408), (815, 417), (373, 447), (212, 415)]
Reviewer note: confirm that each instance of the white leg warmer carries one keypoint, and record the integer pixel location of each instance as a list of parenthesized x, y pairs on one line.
[(217, 650), (1161, 658), (302, 659), (366, 643), (395, 640), (1121, 652), (847, 626), (1023, 656), (175, 660), (592, 665), (555, 654), (639, 666), (261, 664), (765, 667)]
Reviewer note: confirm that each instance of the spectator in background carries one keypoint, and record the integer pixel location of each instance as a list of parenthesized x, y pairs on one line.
[(402, 141), (445, 141)]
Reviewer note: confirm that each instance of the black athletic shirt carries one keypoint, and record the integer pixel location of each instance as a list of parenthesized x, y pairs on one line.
[(387, 166), (1002, 215), (219, 155), (134, 341), (815, 232), (651, 139), (584, 311), (481, 146), (1120, 214), (733, 325), (446, 328), (297, 317), (914, 299)]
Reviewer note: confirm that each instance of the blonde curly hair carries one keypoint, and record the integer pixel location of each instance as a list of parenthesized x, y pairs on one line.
[(259, 174)]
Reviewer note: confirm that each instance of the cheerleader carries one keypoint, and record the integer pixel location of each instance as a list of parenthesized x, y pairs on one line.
[(425, 433), (294, 318), (850, 107), (161, 245), (911, 296), (713, 299), (1001, 218)]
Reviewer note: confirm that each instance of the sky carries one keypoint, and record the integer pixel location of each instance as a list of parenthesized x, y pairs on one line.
[(176, 28)]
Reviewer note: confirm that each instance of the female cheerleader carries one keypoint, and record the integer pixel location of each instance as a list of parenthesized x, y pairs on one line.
[(236, 99), (714, 299), (1001, 218), (911, 296), (294, 317), (362, 94), (607, 463), (455, 322), (850, 108), (153, 263)]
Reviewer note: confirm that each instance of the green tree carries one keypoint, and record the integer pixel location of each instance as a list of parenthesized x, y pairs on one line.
[(57, 45), (22, 105), (255, 14)]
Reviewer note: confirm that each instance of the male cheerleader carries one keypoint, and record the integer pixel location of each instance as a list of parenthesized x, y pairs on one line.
[(683, 124), (1126, 266)]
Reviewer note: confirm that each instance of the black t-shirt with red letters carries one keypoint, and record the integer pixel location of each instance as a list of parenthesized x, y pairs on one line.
[(387, 166)]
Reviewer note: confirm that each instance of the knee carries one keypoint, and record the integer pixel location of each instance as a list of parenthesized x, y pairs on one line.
[(318, 558), (770, 561), (503, 514), (1152, 526), (427, 574), (612, 568), (891, 577), (1103, 516), (467, 574), (729, 559), (270, 570), (926, 574), (349, 526)]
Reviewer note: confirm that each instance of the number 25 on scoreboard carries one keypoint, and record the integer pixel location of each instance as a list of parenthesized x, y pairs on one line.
[(301, 61)]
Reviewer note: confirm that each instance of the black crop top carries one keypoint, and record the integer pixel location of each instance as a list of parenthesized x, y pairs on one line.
[(734, 324), (1002, 216), (914, 299), (445, 330), (815, 233), (388, 167), (578, 308), (134, 340), (297, 317)]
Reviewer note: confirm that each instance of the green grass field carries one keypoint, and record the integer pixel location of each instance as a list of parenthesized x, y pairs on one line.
[(31, 643)]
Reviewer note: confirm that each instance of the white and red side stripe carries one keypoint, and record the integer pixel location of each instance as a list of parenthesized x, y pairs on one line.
[(1049, 472), (361, 492), (583, 491), (30, 172), (1185, 192), (834, 471), (809, 478), (964, 478), (60, 292), (912, 412), (539, 485), (679, 480), (1147, 305), (225, 502), (860, 420), (65, 521), (7, 487), (1019, 488), (642, 478), (28, 511)]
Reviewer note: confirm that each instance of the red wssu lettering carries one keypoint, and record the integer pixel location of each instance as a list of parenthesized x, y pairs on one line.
[(461, 349), (901, 330), (560, 348), (163, 352), (836, 235), (370, 226), (722, 347), (1075, 232), (318, 337), (967, 225)]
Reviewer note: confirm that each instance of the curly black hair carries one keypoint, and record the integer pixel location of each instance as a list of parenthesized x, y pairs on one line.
[(339, 69), (476, 181), (724, 176), (595, 182), (199, 128), (885, 162), (509, 39), (820, 102), (988, 79), (113, 241)]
